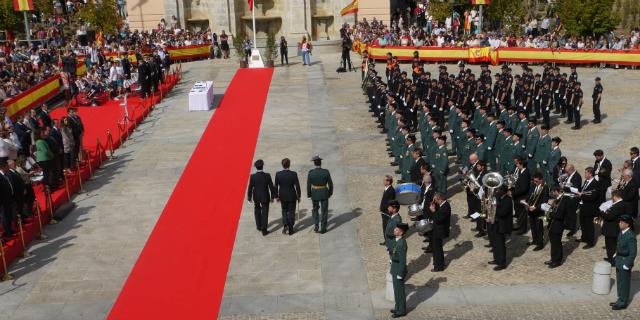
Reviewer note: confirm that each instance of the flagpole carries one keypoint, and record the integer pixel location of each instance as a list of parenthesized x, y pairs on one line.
[(26, 28), (253, 16)]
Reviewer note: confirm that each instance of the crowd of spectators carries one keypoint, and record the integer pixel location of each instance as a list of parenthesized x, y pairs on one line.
[(415, 27)]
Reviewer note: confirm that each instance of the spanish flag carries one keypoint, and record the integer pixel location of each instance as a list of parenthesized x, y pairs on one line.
[(350, 8), (480, 1), (23, 5)]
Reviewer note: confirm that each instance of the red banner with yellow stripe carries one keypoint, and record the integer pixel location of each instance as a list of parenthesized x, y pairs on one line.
[(33, 97), (499, 55), (189, 52), (22, 5)]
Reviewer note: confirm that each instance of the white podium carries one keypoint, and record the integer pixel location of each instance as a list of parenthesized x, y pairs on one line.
[(201, 96)]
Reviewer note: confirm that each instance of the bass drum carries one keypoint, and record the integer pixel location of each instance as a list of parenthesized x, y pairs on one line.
[(407, 193)]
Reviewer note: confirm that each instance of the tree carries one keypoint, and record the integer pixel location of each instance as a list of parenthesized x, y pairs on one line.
[(508, 15), (587, 17), (9, 18), (440, 10), (102, 15)]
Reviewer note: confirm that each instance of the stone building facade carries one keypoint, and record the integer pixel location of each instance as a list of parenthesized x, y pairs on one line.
[(290, 18)]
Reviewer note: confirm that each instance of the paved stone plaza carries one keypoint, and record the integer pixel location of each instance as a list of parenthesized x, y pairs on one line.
[(78, 272)]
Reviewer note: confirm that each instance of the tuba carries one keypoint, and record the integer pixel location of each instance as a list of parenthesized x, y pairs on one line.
[(491, 181), (471, 181)]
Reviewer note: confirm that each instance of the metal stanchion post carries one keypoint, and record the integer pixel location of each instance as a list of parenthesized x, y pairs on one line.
[(41, 236), (25, 253)]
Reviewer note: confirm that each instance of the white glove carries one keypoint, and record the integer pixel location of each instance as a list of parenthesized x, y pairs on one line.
[(489, 148), (450, 131), (473, 99), (565, 97), (530, 155), (521, 104), (625, 267), (441, 109), (537, 98), (578, 109), (411, 110), (557, 91), (399, 277), (496, 99), (546, 109), (524, 147), (544, 162), (434, 106)]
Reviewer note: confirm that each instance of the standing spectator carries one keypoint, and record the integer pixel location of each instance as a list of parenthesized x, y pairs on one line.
[(246, 46), (544, 26), (68, 143), (224, 45), (305, 49), (44, 157), (284, 51)]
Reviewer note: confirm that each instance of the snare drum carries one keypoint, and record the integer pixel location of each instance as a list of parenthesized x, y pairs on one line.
[(407, 193)]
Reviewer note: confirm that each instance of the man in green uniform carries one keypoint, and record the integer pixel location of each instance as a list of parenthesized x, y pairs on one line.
[(399, 270), (319, 189), (407, 159), (469, 146), (507, 153), (551, 161), (625, 256), (481, 148), (544, 146), (394, 219), (531, 144), (491, 137), (440, 165)]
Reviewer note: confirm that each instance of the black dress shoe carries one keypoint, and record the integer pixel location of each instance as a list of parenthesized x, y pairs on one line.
[(498, 268), (466, 217), (393, 163), (548, 262), (382, 243), (588, 246), (398, 172), (392, 311), (617, 307), (538, 248), (611, 304), (606, 259), (264, 233), (554, 265), (380, 126), (571, 234), (428, 250), (395, 315), (425, 240), (579, 240), (284, 230), (436, 270), (487, 246), (575, 128), (315, 229), (480, 235), (493, 262)]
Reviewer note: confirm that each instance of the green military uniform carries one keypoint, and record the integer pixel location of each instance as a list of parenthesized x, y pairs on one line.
[(507, 154), (550, 162), (518, 150), (484, 125), (490, 141), (482, 151), (440, 165), (477, 118), (625, 255), (531, 144), (460, 138), (407, 162), (497, 149), (320, 189), (469, 148), (399, 274), (514, 123), (522, 129), (542, 150), (389, 237), (504, 116), (399, 143)]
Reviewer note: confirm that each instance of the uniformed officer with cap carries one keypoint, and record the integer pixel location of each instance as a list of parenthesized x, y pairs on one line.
[(625, 256), (597, 96), (319, 189), (399, 270)]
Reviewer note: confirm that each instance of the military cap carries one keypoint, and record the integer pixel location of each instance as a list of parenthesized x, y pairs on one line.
[(556, 139), (627, 219), (403, 226), (316, 157), (394, 204)]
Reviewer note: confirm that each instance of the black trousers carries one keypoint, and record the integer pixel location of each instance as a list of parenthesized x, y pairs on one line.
[(610, 244), (596, 111), (261, 214), (545, 119), (47, 172), (288, 213), (576, 116), (284, 56), (481, 225), (588, 233), (521, 217), (346, 59), (8, 215), (491, 232), (500, 249), (570, 113), (438, 252), (537, 231), (385, 220), (555, 239)]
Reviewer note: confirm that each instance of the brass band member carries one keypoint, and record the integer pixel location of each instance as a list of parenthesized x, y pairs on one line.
[(426, 195), (538, 195), (473, 202), (610, 225), (602, 170), (589, 197), (520, 192), (501, 227), (388, 195), (629, 190), (440, 214), (481, 224), (572, 179), (557, 214)]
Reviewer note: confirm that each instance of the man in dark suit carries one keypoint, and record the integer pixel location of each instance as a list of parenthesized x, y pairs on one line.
[(471, 189), (602, 168), (388, 194), (44, 115), (573, 180), (635, 159), (630, 192), (556, 227), (589, 197), (77, 128), (19, 188), (520, 192), (427, 191), (501, 227), (481, 223), (538, 195), (261, 192), (610, 228), (415, 174), (55, 145), (288, 193), (7, 199), (24, 135), (440, 214)]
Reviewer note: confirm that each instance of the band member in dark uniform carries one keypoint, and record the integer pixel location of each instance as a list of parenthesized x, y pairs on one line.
[(288, 191), (501, 227), (426, 197), (538, 195), (261, 192), (440, 214), (399, 270), (520, 192), (388, 195), (556, 226), (481, 223), (610, 228), (597, 97), (629, 191), (573, 179), (602, 171), (589, 197)]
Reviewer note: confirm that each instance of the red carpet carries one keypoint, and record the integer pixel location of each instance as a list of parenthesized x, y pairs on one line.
[(181, 271), (97, 122)]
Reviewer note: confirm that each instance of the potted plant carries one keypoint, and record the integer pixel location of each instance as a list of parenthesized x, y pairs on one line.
[(271, 51), (238, 40)]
